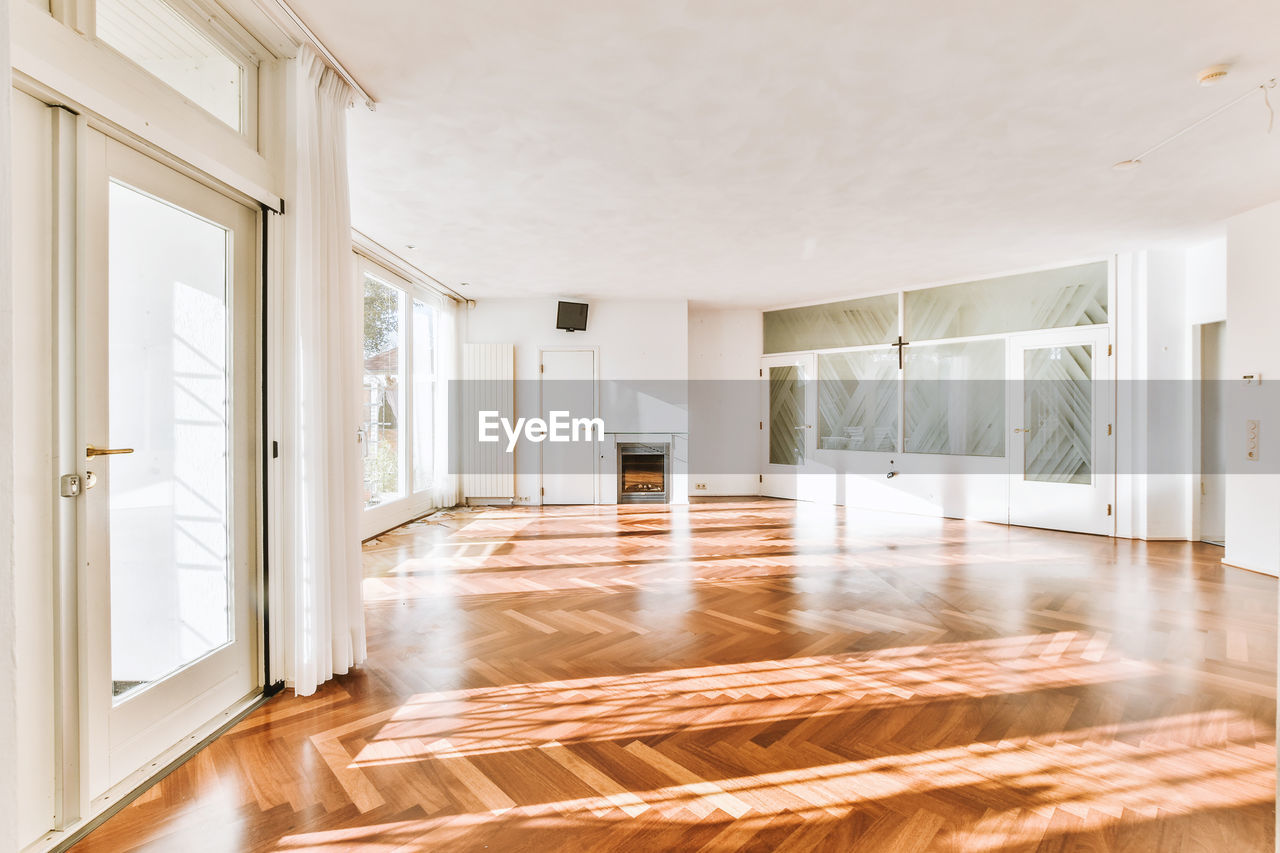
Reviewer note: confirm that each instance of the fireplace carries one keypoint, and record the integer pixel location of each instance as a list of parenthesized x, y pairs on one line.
[(644, 473)]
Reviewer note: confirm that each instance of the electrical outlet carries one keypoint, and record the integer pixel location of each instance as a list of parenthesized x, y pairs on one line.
[(1251, 438), (702, 486)]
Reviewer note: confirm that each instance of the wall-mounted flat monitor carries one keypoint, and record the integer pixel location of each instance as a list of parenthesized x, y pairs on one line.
[(572, 316)]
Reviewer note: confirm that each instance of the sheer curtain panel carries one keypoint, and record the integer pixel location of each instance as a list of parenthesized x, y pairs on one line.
[(319, 386)]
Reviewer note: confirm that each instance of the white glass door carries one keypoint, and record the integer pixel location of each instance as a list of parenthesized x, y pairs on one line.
[(1061, 451), (167, 431), (789, 414)]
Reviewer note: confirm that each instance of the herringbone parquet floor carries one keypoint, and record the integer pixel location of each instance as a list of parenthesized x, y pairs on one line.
[(760, 676)]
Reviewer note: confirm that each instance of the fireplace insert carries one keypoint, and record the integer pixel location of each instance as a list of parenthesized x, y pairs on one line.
[(643, 472)]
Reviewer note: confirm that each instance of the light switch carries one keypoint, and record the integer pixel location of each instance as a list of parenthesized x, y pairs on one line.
[(1251, 429)]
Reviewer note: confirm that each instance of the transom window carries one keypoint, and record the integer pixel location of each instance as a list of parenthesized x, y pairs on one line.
[(178, 49)]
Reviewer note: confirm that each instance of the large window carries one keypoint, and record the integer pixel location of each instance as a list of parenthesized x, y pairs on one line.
[(384, 391), (402, 402)]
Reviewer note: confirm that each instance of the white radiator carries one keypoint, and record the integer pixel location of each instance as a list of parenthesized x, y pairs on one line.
[(489, 384)]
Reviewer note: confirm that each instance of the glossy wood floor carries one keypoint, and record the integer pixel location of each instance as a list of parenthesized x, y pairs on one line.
[(760, 676)]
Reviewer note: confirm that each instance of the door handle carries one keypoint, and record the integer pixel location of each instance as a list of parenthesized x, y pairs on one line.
[(1021, 429), (92, 451)]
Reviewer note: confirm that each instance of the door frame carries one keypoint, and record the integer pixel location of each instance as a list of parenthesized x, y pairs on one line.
[(1100, 517), (77, 809)]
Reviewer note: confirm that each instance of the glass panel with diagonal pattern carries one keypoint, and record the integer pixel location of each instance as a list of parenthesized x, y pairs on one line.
[(852, 323), (786, 415), (858, 400), (1051, 299), (1057, 402), (955, 398)]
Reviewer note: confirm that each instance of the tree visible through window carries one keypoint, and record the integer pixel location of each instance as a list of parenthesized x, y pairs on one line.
[(384, 309)]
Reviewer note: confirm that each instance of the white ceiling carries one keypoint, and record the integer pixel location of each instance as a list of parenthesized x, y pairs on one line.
[(769, 153)]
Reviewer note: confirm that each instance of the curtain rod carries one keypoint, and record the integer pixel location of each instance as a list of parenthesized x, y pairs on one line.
[(328, 56), (365, 245)]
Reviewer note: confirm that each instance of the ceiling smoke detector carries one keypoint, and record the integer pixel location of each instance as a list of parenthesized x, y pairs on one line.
[(1212, 75)]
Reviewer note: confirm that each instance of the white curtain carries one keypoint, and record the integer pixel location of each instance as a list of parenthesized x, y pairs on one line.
[(319, 387)]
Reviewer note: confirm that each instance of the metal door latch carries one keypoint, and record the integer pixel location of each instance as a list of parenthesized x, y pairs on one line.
[(70, 485)]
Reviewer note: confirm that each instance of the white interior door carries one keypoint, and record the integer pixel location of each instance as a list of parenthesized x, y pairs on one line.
[(166, 428), (1061, 452), (568, 384), (790, 410)]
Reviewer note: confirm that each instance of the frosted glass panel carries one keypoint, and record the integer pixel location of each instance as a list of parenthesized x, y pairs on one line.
[(165, 44), (384, 310), (853, 323), (786, 415), (424, 390), (168, 327), (1074, 296), (1057, 401), (858, 400), (955, 398)]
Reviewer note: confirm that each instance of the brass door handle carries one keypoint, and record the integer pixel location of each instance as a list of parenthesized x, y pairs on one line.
[(92, 451)]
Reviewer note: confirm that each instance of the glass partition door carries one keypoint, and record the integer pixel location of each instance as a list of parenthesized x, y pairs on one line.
[(1060, 452), (789, 413)]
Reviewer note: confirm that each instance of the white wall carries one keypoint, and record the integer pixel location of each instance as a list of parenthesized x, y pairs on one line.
[(1207, 282), (8, 680), (724, 436), (1170, 423), (637, 340), (1253, 346)]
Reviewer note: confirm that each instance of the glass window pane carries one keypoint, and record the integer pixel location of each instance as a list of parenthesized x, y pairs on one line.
[(1057, 407), (858, 400), (853, 323), (955, 398), (169, 527), (163, 42), (424, 390), (786, 415), (1074, 296), (384, 309)]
